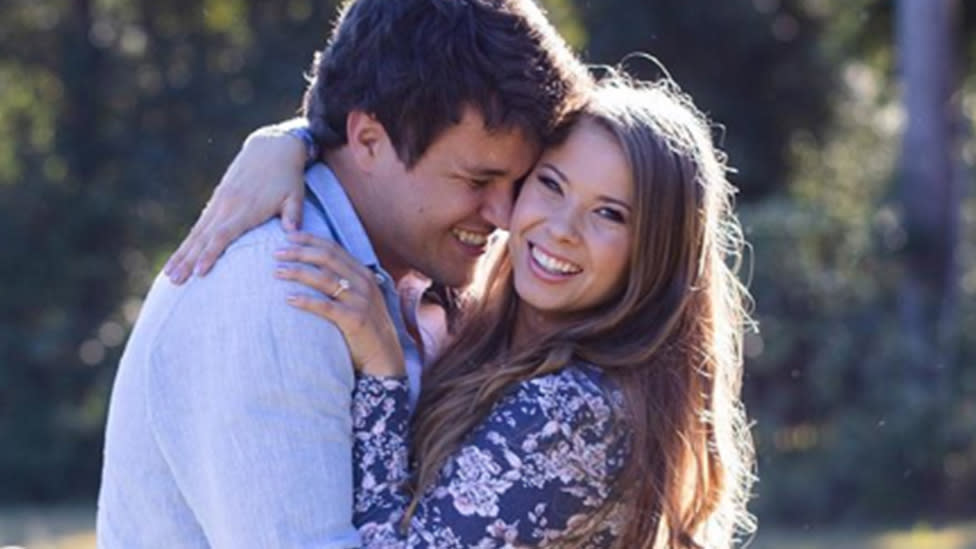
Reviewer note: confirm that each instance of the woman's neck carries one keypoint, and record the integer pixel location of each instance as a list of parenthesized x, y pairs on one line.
[(530, 326)]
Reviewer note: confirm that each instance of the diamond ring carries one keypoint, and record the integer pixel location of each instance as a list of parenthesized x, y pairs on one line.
[(343, 286)]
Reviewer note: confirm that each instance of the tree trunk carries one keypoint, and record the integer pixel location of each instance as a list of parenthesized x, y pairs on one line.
[(929, 194)]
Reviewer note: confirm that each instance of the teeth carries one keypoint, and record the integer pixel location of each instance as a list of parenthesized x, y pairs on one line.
[(470, 238), (552, 264)]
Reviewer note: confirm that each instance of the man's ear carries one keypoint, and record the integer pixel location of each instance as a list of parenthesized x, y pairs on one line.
[(367, 139)]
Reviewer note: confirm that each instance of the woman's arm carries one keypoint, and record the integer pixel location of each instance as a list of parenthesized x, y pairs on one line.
[(542, 462), (264, 180)]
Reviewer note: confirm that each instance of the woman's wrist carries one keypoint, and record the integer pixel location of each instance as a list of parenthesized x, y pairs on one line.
[(282, 141), (391, 366)]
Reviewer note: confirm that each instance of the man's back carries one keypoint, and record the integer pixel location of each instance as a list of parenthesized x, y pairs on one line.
[(229, 424)]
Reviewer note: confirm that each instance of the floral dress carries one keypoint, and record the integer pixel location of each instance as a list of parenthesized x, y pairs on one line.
[(544, 460)]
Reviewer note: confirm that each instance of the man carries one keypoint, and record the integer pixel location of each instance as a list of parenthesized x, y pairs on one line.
[(229, 424)]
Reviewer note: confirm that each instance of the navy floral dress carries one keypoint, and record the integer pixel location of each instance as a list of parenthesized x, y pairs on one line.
[(543, 461)]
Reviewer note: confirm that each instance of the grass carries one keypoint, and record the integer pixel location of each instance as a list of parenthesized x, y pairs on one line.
[(70, 527), (920, 536), (59, 527)]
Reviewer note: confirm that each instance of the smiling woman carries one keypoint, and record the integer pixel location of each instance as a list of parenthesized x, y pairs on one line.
[(620, 259)]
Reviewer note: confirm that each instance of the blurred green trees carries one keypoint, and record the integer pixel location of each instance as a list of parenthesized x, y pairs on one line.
[(118, 116), (847, 426), (116, 119)]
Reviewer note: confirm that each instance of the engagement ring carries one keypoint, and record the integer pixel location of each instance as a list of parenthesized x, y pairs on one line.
[(343, 286)]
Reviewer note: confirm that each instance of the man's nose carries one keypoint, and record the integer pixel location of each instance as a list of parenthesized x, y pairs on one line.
[(497, 207)]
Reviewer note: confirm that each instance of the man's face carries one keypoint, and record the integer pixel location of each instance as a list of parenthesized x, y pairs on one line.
[(436, 217)]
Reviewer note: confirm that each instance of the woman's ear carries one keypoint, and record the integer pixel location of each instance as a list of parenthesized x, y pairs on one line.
[(367, 139)]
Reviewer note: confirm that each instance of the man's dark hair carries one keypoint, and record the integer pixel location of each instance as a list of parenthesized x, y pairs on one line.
[(415, 64)]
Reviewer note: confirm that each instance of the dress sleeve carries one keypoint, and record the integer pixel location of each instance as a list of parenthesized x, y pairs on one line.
[(543, 461)]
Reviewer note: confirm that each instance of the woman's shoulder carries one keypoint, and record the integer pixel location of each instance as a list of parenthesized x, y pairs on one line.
[(576, 394), (573, 412), (578, 379)]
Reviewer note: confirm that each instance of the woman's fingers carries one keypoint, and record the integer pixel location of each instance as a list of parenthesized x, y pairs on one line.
[(327, 267), (348, 296), (359, 313), (323, 307), (215, 241), (306, 248), (220, 223), (291, 211), (264, 180), (179, 267), (324, 280)]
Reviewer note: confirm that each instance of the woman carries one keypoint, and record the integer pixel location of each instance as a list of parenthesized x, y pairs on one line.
[(590, 396)]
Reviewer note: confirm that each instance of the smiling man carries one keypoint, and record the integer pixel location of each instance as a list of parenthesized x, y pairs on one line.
[(229, 424)]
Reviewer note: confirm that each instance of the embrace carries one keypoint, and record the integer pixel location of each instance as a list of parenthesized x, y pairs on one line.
[(510, 318)]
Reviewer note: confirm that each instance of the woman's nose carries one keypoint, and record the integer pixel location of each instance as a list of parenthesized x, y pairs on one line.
[(562, 225)]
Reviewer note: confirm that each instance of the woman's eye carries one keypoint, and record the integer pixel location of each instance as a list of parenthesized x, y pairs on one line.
[(550, 184), (613, 215)]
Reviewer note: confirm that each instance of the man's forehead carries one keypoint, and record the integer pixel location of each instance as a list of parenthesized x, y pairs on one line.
[(488, 162), (497, 151), (473, 124)]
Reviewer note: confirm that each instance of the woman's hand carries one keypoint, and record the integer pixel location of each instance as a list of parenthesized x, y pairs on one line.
[(264, 180), (351, 299)]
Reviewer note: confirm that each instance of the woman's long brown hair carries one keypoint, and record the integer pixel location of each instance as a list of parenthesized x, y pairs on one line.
[(671, 340)]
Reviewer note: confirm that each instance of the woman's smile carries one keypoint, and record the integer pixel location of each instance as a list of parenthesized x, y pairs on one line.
[(549, 266)]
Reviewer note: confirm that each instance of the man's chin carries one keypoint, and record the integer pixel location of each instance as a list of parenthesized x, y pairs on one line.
[(455, 282), (454, 278)]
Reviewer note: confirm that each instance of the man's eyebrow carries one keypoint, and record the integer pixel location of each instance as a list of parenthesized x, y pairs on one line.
[(484, 171)]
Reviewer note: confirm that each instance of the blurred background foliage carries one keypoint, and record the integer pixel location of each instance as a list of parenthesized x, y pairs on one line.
[(117, 117)]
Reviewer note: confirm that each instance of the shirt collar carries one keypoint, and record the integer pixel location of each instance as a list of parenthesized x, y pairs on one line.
[(348, 231), (340, 214)]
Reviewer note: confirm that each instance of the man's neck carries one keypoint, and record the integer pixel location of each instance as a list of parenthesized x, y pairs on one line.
[(358, 191)]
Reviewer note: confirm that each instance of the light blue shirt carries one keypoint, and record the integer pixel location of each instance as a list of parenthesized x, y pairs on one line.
[(229, 424)]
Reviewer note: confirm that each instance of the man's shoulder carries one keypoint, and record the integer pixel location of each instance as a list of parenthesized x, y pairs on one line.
[(241, 288), (241, 301), (240, 295), (271, 233)]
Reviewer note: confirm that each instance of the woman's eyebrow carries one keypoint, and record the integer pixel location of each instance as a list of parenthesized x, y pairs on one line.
[(617, 201), (603, 197), (558, 172)]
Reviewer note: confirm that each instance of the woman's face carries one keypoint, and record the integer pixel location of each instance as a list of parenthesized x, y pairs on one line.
[(572, 225)]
